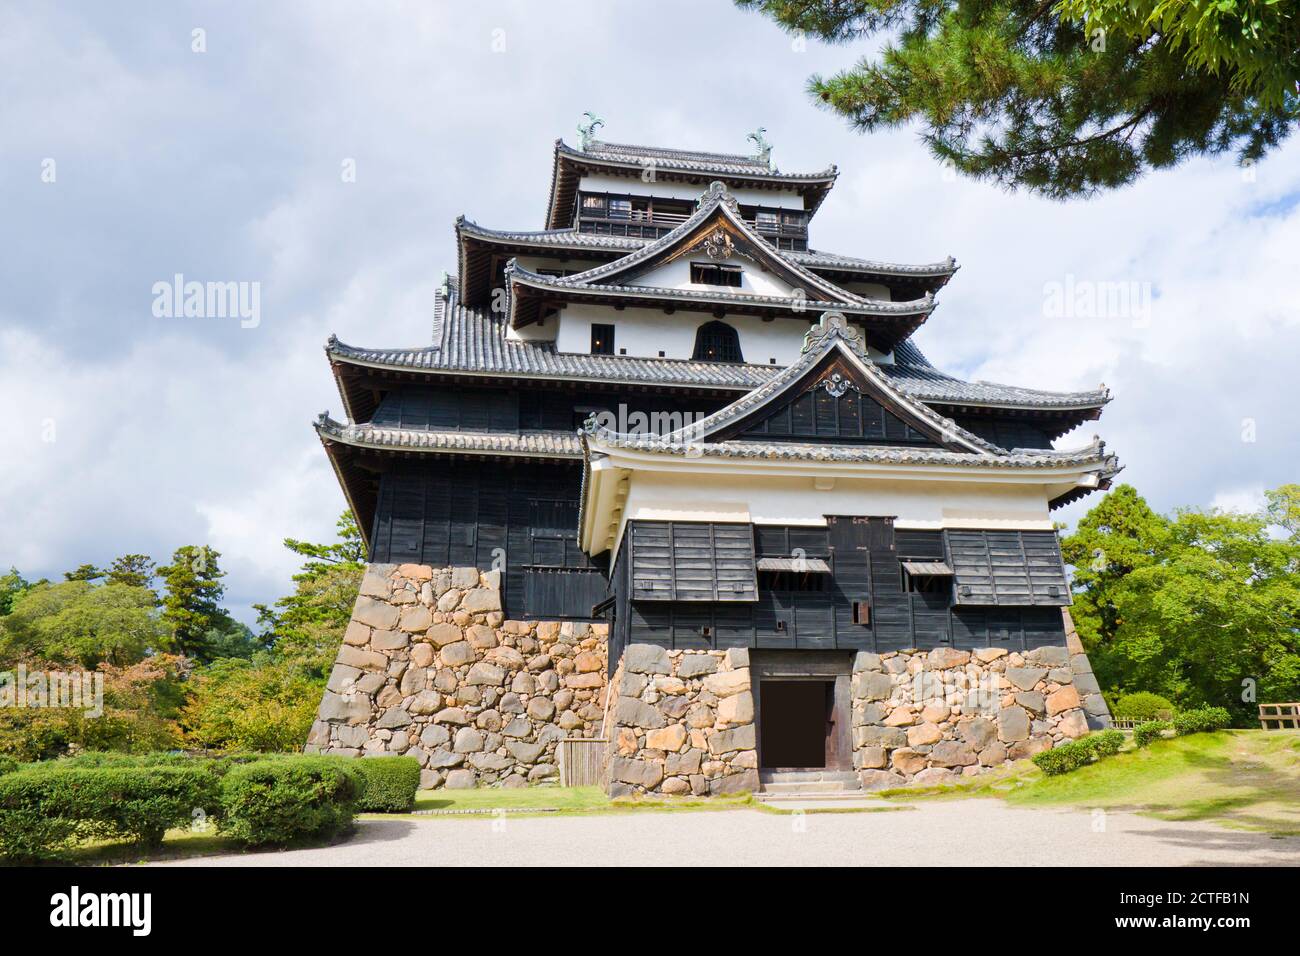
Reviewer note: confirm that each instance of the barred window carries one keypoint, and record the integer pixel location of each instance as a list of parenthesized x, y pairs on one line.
[(717, 342)]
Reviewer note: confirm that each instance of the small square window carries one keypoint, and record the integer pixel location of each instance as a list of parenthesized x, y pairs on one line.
[(862, 612), (602, 339)]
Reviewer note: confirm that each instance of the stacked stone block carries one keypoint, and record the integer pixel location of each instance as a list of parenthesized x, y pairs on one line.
[(682, 722), (430, 668)]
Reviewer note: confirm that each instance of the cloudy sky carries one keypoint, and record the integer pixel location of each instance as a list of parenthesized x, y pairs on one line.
[(127, 156)]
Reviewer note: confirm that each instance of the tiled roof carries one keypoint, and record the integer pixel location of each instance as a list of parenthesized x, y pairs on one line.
[(719, 205), (680, 164), (555, 443), (734, 164), (473, 341), (719, 295), (913, 373), (833, 332), (1095, 453), (830, 260), (572, 239)]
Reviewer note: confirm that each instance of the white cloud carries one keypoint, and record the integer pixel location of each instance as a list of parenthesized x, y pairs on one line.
[(225, 165)]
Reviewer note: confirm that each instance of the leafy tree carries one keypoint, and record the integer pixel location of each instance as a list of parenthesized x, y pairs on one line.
[(140, 706), (1064, 97), (235, 640), (1283, 509), (1196, 607), (12, 587), (85, 572), (192, 602), (1118, 536), (136, 570), (349, 551), (82, 624), (307, 626), (260, 704)]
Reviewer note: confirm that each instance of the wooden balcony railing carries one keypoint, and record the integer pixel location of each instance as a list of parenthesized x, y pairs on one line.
[(652, 225)]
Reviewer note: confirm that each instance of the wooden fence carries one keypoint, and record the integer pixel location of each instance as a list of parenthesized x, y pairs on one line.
[(1279, 716), (582, 761), (1128, 723)]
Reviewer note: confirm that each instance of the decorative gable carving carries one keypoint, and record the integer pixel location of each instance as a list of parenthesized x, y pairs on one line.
[(836, 385), (836, 406), (718, 244), (834, 325)]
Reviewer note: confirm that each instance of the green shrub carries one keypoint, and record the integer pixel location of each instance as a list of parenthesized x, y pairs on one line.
[(44, 808), (8, 764), (1063, 758), (1078, 753), (1144, 734), (1202, 720), (390, 783), (282, 799), (1107, 743), (1142, 705), (108, 758)]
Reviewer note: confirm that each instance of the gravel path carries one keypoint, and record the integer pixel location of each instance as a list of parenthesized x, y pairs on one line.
[(949, 833)]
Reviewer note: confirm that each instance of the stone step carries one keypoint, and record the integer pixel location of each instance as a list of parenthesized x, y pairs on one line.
[(810, 787), (852, 798), (795, 775)]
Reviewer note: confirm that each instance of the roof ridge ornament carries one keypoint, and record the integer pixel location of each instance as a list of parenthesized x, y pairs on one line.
[(587, 130), (718, 193), (763, 149), (834, 325)]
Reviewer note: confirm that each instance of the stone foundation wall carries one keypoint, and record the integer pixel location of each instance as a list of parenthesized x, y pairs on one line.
[(681, 722), (928, 717), (429, 667)]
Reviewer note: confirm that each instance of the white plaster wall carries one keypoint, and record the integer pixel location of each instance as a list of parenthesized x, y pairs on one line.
[(646, 332), (774, 500), (630, 186), (753, 279)]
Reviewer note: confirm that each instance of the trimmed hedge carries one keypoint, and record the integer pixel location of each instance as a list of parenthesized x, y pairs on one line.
[(44, 809), (1144, 734), (1107, 743), (1142, 705), (390, 783), (1202, 720), (1062, 759), (50, 806), (1078, 753), (283, 799)]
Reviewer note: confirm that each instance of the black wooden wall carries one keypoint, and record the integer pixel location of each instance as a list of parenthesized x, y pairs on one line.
[(817, 414), (865, 556), (515, 410), (518, 516), (1005, 431)]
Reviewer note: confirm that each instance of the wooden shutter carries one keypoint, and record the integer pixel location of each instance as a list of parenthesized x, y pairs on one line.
[(1007, 568), (692, 561)]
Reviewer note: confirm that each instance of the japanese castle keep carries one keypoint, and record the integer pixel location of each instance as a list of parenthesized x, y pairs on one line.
[(673, 502)]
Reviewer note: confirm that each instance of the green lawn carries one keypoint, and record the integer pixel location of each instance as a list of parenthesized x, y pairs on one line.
[(1246, 779), (565, 800), (177, 844), (523, 798)]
